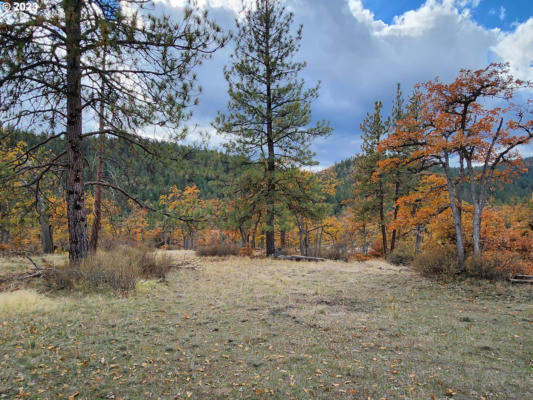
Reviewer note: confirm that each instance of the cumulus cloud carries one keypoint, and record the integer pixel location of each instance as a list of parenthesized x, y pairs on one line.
[(359, 58), (517, 48)]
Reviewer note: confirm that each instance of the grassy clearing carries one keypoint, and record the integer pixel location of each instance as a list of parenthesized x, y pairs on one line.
[(256, 328), (24, 301)]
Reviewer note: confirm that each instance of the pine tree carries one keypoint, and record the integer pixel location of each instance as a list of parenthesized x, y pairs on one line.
[(269, 111), (52, 77), (370, 186)]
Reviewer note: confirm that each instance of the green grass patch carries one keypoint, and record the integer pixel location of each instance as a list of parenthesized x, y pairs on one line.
[(257, 328)]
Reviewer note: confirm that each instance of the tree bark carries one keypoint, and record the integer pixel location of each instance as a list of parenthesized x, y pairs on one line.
[(301, 239), (476, 232), (4, 235), (271, 165), (382, 218), (77, 219), (47, 237), (365, 242), (283, 239), (306, 239), (97, 224), (456, 213), (395, 214)]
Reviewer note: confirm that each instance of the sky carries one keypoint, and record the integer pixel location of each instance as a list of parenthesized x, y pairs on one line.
[(360, 49)]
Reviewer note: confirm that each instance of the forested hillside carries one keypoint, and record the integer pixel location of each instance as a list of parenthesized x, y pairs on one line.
[(149, 171), (519, 189)]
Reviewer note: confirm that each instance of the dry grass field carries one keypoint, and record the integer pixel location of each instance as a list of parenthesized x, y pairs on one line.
[(241, 328)]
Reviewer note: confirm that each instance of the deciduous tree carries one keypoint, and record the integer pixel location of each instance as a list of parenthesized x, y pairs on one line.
[(474, 122)]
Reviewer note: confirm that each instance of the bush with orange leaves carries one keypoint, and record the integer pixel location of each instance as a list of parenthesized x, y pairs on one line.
[(507, 240)]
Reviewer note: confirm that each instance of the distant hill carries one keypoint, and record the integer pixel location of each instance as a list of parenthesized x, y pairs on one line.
[(520, 189), (148, 176)]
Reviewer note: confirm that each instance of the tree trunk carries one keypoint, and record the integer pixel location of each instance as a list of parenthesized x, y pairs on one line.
[(301, 237), (382, 219), (418, 239), (77, 219), (456, 213), (97, 224), (244, 237), (365, 242), (47, 237), (306, 239), (271, 165), (283, 239), (4, 235), (395, 214), (270, 238), (476, 231), (477, 201)]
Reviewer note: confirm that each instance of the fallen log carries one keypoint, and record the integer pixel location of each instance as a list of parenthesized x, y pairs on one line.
[(36, 273), (299, 258), (522, 279), (21, 277), (191, 264)]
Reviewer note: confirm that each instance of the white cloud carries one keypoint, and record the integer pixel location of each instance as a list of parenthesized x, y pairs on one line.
[(360, 58), (517, 48), (233, 5), (502, 13), (417, 22)]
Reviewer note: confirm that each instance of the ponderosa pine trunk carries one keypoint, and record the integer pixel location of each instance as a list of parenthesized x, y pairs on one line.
[(77, 219), (47, 237), (97, 224), (283, 239), (382, 218), (270, 238), (4, 235), (271, 165)]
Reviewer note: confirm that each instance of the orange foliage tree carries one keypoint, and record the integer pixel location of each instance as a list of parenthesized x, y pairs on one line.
[(463, 122), (187, 209)]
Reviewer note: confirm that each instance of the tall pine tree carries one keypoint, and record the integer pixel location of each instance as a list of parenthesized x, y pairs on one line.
[(269, 111), (370, 186)]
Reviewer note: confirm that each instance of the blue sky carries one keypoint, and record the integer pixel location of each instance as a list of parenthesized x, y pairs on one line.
[(360, 49), (488, 13)]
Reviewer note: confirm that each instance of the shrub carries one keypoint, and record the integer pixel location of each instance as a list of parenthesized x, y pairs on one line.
[(218, 250), (494, 265), (336, 252), (376, 249), (359, 257), (436, 260), (118, 269), (246, 251), (400, 256)]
